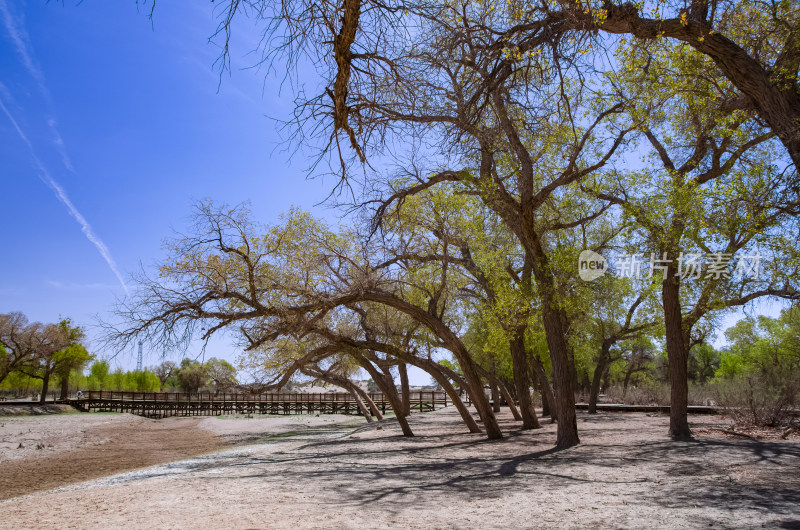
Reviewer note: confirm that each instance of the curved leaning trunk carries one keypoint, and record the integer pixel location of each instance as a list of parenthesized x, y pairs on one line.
[(390, 392), (454, 344), (441, 378), (363, 408), (372, 406)]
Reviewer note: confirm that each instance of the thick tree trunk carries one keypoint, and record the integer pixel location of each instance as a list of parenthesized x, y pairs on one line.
[(599, 370), (519, 363), (45, 387), (65, 388), (404, 386), (554, 320), (677, 356)]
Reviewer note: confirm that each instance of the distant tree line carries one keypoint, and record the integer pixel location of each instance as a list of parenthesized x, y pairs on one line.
[(32, 355)]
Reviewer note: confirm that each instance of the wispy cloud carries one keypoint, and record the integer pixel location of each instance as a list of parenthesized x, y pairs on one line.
[(19, 37), (60, 147), (64, 198), (80, 286), (15, 28)]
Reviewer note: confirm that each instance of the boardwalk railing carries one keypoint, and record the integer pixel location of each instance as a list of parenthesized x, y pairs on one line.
[(162, 404)]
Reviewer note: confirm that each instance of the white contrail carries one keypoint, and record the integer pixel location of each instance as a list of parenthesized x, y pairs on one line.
[(16, 32), (19, 37), (62, 196)]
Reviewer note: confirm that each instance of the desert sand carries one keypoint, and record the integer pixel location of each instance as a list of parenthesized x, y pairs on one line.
[(336, 472)]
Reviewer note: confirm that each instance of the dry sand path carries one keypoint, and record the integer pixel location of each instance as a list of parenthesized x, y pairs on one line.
[(624, 474)]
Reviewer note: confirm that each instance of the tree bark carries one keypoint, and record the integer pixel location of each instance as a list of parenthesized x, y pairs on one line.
[(372, 406), (519, 364), (602, 363), (406, 392), (454, 344), (548, 400), (677, 356), (495, 396), (387, 386), (554, 320), (65, 387), (509, 400), (462, 409), (45, 387), (363, 408)]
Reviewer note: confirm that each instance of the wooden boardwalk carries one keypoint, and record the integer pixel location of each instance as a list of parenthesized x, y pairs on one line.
[(163, 404)]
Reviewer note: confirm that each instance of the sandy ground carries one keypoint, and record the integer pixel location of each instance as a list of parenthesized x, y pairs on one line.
[(301, 471)]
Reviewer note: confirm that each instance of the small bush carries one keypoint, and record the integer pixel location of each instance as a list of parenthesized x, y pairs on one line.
[(656, 393), (763, 399)]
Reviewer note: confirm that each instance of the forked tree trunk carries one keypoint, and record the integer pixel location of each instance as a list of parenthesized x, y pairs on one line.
[(677, 356), (387, 386), (372, 406), (519, 364)]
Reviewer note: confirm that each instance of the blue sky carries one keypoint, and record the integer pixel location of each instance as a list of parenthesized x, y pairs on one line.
[(111, 125)]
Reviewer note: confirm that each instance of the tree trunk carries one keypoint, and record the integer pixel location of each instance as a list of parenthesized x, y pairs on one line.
[(519, 364), (509, 400), (363, 408), (452, 343), (45, 387), (555, 321), (626, 381), (548, 400), (677, 356), (495, 396), (65, 387), (372, 406), (405, 388), (602, 363), (387, 386), (462, 409)]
